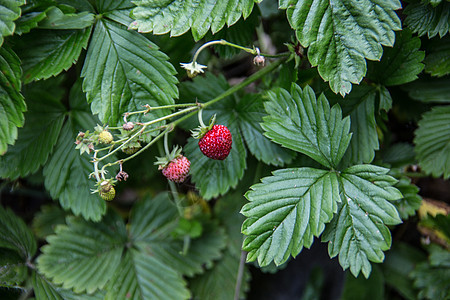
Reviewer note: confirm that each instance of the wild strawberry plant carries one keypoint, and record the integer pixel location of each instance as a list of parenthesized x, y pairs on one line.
[(103, 109)]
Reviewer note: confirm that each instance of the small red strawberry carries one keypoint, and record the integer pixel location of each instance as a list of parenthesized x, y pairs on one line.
[(174, 166), (214, 140), (216, 143)]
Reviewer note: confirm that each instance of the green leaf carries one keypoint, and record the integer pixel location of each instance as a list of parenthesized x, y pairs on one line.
[(251, 109), (29, 21), (9, 11), (411, 201), (429, 90), (399, 155), (57, 19), (342, 34), (152, 222), (241, 33), (436, 61), (15, 235), (47, 219), (433, 142), (286, 211), (432, 278), (44, 120), (400, 64), (13, 271), (12, 104), (83, 255), (358, 232), (67, 172), (425, 19), (362, 288), (104, 6), (359, 105), (135, 73), (46, 53), (400, 261), (142, 276), (300, 122), (220, 281), (178, 16)]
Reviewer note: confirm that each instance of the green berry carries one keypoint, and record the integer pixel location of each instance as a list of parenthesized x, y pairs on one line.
[(107, 191), (105, 137)]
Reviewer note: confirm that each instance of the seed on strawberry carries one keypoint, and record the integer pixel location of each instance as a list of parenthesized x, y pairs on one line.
[(105, 137), (177, 170), (216, 143)]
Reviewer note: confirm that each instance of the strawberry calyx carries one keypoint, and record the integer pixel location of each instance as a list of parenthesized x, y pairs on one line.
[(201, 130), (163, 161)]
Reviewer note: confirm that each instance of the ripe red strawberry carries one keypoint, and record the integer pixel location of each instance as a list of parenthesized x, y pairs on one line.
[(216, 143), (177, 170), (174, 166)]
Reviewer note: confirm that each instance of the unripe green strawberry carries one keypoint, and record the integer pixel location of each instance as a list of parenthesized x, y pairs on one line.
[(105, 137), (177, 170), (107, 191), (216, 143)]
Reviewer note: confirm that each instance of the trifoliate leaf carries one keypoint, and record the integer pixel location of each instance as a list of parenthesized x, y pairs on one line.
[(12, 104), (425, 19), (286, 211), (430, 90), (411, 201), (83, 255), (44, 120), (46, 53), (251, 109), (15, 235), (399, 64), (299, 121), (178, 16), (57, 19), (432, 277), (359, 105), (67, 172), (342, 34), (433, 142), (436, 61), (10, 11), (152, 222), (358, 232), (142, 276), (134, 73)]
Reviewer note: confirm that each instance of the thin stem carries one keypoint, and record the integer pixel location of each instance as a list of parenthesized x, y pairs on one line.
[(240, 275), (261, 73), (96, 166), (166, 143), (173, 106), (200, 118), (217, 42)]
